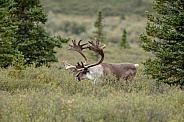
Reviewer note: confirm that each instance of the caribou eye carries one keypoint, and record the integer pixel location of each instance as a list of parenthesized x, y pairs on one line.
[(85, 71)]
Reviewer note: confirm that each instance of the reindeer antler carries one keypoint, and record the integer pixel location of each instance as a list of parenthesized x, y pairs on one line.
[(75, 68), (78, 47), (94, 46), (97, 48), (68, 66), (80, 66)]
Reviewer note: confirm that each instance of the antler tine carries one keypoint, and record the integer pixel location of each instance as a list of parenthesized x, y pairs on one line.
[(72, 46), (78, 47), (82, 45), (79, 66), (68, 66), (103, 46), (79, 42), (97, 49), (74, 68), (97, 42)]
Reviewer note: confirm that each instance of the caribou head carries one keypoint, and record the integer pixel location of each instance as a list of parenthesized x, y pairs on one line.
[(94, 71)]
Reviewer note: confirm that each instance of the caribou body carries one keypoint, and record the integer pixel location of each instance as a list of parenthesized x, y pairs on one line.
[(125, 70), (94, 71)]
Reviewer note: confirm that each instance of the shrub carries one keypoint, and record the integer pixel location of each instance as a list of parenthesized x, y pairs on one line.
[(73, 28)]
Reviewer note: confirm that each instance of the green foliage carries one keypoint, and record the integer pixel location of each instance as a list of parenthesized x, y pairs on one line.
[(124, 43), (134, 23), (49, 94), (73, 28), (90, 8), (18, 61), (164, 38), (7, 33), (22, 31), (99, 34)]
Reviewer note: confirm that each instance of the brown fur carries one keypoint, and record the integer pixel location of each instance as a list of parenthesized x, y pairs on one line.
[(125, 70)]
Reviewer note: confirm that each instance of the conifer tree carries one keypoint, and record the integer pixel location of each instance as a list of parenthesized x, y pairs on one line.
[(124, 43), (164, 37), (99, 34), (22, 31), (7, 32)]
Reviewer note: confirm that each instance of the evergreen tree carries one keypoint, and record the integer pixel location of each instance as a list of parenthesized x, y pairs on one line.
[(164, 37), (99, 34), (18, 61), (7, 34), (124, 43), (22, 31)]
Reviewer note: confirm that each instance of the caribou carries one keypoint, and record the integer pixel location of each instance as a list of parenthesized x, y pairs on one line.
[(100, 68)]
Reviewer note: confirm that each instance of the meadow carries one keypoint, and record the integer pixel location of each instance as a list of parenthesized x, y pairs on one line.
[(52, 94), (47, 94)]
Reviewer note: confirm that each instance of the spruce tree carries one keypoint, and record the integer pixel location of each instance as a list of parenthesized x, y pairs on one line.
[(164, 37), (22, 31), (7, 34), (99, 34), (124, 44)]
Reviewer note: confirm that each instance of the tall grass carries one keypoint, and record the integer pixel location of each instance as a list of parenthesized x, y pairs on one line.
[(52, 94)]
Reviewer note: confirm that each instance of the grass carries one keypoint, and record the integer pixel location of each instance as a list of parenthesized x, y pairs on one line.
[(52, 94)]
